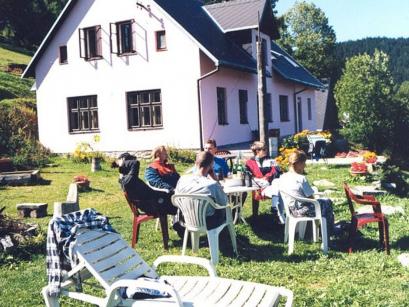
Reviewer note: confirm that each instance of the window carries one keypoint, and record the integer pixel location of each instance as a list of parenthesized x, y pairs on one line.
[(83, 114), (161, 40), (124, 38), (264, 51), (63, 55), (90, 43), (243, 98), (124, 31), (309, 110), (144, 109), (268, 113), (284, 116), (221, 106)]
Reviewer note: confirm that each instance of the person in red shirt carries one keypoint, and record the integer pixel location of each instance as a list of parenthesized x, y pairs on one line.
[(261, 165)]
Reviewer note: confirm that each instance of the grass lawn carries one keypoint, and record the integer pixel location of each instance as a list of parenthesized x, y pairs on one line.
[(365, 278)]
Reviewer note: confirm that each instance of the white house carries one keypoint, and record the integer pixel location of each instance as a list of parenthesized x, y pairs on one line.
[(176, 72)]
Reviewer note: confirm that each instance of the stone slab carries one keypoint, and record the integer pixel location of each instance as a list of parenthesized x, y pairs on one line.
[(367, 190), (20, 177), (35, 210)]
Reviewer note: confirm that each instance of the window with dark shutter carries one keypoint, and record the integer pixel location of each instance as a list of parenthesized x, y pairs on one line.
[(144, 109), (221, 106), (243, 98), (284, 112), (309, 109), (268, 109), (161, 41), (90, 43), (83, 114), (63, 55)]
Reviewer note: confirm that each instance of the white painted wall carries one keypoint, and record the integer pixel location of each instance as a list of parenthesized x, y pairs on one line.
[(174, 71), (284, 87)]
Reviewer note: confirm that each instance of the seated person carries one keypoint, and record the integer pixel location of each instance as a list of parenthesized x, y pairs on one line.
[(151, 202), (200, 183), (160, 173), (295, 183), (261, 166), (220, 165)]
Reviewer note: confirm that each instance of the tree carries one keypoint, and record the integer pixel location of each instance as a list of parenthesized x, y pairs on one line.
[(18, 18), (307, 36), (400, 150), (364, 96)]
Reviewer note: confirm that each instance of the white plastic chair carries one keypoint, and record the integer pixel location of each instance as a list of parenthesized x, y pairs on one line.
[(291, 222), (193, 207), (114, 265)]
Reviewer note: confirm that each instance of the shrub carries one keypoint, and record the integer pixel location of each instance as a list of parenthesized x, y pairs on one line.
[(19, 133), (364, 99), (391, 173), (181, 155), (84, 151), (30, 154)]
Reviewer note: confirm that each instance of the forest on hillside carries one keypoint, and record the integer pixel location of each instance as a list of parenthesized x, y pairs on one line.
[(396, 48)]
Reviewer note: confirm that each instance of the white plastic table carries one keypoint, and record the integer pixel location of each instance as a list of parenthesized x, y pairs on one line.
[(235, 195)]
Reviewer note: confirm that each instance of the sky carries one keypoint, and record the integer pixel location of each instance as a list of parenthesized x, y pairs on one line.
[(356, 19)]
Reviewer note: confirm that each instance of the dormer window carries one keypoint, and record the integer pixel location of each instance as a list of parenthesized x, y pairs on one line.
[(161, 40), (90, 43), (122, 35)]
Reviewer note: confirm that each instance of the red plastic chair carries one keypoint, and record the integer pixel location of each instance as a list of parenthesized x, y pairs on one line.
[(359, 220), (139, 218)]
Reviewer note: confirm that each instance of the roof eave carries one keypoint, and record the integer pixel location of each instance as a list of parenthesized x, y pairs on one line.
[(236, 66), (319, 86)]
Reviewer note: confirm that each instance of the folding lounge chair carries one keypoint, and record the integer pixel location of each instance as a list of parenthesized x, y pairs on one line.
[(108, 258)]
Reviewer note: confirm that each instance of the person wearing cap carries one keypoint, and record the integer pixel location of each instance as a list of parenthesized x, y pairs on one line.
[(151, 202)]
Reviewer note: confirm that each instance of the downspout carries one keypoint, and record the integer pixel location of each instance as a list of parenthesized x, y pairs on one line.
[(200, 103), (295, 109)]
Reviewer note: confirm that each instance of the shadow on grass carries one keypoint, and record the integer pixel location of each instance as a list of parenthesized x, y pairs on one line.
[(91, 189), (266, 227), (43, 181), (402, 243)]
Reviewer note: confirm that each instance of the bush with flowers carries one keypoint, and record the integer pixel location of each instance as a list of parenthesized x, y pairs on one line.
[(300, 139), (84, 151), (297, 141), (358, 168), (369, 157), (282, 159)]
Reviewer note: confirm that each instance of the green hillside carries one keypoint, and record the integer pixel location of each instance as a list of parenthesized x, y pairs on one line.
[(11, 55), (11, 85)]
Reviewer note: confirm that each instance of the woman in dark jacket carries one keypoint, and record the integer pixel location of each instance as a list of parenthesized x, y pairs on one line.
[(151, 201), (163, 175), (160, 173)]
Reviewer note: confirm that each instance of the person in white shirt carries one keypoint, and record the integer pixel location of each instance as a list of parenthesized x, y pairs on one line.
[(200, 183), (294, 183)]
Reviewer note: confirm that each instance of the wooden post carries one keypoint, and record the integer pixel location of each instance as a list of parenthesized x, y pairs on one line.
[(261, 89)]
